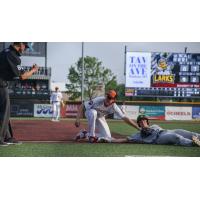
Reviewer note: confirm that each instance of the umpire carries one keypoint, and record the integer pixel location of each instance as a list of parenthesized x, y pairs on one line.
[(9, 70)]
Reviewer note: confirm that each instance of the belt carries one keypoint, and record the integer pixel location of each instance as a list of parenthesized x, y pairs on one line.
[(158, 135)]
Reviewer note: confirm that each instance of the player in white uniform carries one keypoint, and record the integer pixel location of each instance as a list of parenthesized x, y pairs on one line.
[(56, 100), (96, 110)]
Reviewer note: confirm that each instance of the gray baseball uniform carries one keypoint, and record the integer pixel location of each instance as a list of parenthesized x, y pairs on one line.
[(96, 112), (157, 135)]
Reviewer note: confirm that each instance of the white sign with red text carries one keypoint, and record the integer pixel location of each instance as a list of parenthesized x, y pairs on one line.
[(71, 110), (178, 113)]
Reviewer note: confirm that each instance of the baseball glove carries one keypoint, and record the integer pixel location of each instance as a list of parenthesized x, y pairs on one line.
[(77, 123), (146, 132)]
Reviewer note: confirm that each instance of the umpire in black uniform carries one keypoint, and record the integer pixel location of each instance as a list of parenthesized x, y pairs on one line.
[(10, 69)]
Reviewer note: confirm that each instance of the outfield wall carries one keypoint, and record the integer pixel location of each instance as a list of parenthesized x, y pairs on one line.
[(153, 111), (165, 112)]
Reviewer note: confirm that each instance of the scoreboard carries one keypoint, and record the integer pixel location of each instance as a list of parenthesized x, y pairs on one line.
[(162, 74)]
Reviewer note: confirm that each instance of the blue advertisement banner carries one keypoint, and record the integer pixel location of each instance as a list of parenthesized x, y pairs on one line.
[(21, 109), (153, 112), (196, 112)]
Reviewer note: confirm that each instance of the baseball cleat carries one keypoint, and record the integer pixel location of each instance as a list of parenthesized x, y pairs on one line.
[(93, 139), (196, 140), (104, 140), (81, 135)]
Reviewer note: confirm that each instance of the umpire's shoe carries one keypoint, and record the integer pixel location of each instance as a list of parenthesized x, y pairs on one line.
[(12, 141), (3, 144)]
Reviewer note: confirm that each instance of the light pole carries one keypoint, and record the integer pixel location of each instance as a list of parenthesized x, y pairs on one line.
[(82, 82)]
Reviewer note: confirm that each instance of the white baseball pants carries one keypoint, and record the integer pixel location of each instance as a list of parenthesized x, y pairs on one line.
[(97, 122), (56, 110)]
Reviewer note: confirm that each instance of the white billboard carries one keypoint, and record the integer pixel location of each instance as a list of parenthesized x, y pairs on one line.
[(130, 111), (138, 69), (43, 110), (178, 113)]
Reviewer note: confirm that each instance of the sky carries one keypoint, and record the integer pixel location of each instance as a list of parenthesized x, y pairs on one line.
[(61, 55)]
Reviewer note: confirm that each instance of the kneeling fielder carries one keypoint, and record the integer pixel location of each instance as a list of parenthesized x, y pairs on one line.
[(96, 110)]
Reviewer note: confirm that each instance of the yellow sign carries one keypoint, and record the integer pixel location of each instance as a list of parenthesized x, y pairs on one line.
[(163, 78)]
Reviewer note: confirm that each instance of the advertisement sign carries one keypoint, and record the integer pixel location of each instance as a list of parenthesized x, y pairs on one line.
[(196, 112), (162, 69), (129, 92), (178, 113), (43, 110), (175, 70), (138, 69), (21, 110), (71, 110), (153, 112), (130, 111), (171, 74)]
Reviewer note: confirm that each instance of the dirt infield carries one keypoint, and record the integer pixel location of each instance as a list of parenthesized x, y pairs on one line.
[(46, 130)]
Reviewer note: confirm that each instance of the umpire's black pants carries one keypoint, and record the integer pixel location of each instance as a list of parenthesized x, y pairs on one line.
[(5, 126)]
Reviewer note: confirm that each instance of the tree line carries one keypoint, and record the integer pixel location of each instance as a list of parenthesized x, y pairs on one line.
[(95, 74)]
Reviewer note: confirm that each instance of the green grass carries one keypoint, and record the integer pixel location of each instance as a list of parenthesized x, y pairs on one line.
[(103, 150), (96, 150)]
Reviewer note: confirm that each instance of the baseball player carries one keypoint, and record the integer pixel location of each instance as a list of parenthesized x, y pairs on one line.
[(56, 100), (96, 110), (154, 134)]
